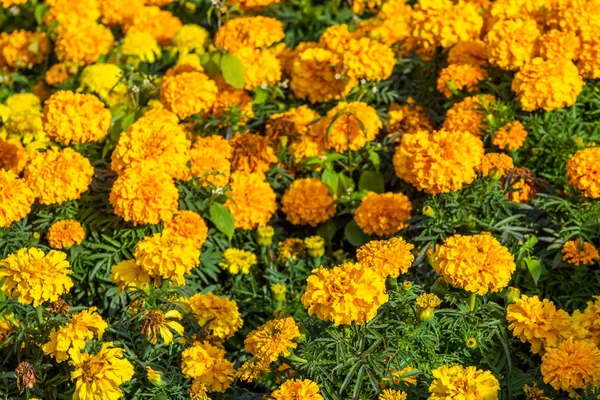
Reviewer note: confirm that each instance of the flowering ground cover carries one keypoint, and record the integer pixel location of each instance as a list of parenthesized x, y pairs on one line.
[(299, 200)]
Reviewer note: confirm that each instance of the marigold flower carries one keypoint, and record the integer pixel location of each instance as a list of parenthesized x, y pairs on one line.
[(64, 234), (458, 77), (23, 49), (128, 274), (588, 61), (233, 104), (189, 225), (547, 84), (273, 339), (237, 261), (307, 202), (574, 364), (496, 164), (575, 252), (210, 158), (57, 74), (511, 136), (468, 52), (555, 44), (297, 389), (188, 93), (10, 3), (523, 187), (469, 115), (291, 249), (252, 200), (386, 257), (333, 294), (207, 365), (33, 277), (105, 81), (82, 42), (190, 38), (264, 235), (219, 317), (315, 246), (16, 198), (587, 323), (278, 291), (66, 12), (352, 126), (407, 119), (247, 4), (391, 394), (438, 162), (512, 43), (477, 263), (455, 381), (292, 124), (141, 44), (116, 12), (161, 24), (75, 118), (251, 153), (167, 256), (58, 175), (261, 67), (249, 32), (154, 376), (583, 172), (538, 322), (98, 376), (367, 59), (253, 369), (158, 324), (13, 156), (72, 337), (144, 195), (383, 214)]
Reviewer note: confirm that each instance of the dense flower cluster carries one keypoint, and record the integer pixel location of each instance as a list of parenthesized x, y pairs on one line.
[(452, 381), (307, 202)]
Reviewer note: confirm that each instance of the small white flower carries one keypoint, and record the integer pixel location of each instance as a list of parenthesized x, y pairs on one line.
[(285, 84), (14, 10), (324, 157), (218, 190), (146, 81), (338, 77), (374, 90), (135, 89), (264, 86), (363, 81), (349, 191)]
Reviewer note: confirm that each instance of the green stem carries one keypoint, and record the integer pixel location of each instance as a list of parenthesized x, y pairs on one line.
[(293, 357), (39, 313), (472, 301)]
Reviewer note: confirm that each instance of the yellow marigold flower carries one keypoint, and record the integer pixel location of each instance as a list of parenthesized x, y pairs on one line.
[(230, 99), (511, 136), (188, 93), (355, 126), (64, 234), (189, 225), (57, 176), (532, 392), (315, 246), (158, 3), (57, 74), (261, 67), (547, 84), (67, 12), (458, 77), (22, 102), (247, 4), (307, 202), (8, 323), (161, 24), (144, 195), (391, 25), (438, 162), (82, 42), (207, 365), (264, 235), (190, 38), (210, 158), (555, 44), (98, 376), (249, 32), (312, 144), (278, 291), (152, 139), (442, 23), (514, 9), (588, 61), (391, 394), (10, 3), (72, 337), (251, 153), (455, 381), (428, 300), (398, 375), (238, 261), (128, 274), (496, 164), (141, 44), (383, 214), (575, 252), (75, 118), (359, 6), (291, 249), (538, 322), (158, 324), (582, 171), (477, 263), (252, 200), (154, 376), (13, 156), (512, 43), (386, 257), (253, 369), (297, 389), (468, 52), (273, 339), (469, 115), (167, 256), (333, 294), (33, 277), (574, 364), (337, 37), (316, 76), (105, 81), (16, 198), (587, 323), (219, 317), (407, 119), (23, 49), (116, 12), (292, 124), (367, 59)]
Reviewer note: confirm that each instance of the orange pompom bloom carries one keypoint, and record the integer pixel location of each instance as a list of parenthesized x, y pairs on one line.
[(469, 115), (387, 257), (23, 49), (353, 125), (252, 200), (383, 214), (583, 171), (13, 156), (307, 202), (457, 77), (16, 198), (496, 165), (188, 225), (64, 234), (210, 157), (575, 252), (83, 42), (512, 43), (188, 93), (511, 136), (161, 24), (251, 153)]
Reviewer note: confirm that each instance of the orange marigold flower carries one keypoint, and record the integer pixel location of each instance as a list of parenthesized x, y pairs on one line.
[(210, 157), (292, 123), (230, 99), (273, 339), (511, 136), (82, 42), (208, 366), (57, 74), (69, 12), (588, 62), (345, 294), (10, 3), (387, 257), (116, 12), (496, 164), (574, 364), (75, 118), (555, 44), (469, 115), (457, 77), (297, 389), (583, 171), (538, 322), (250, 32), (468, 52), (23, 49), (407, 119), (247, 4), (13, 156), (189, 225), (144, 195), (523, 187), (391, 394), (477, 263), (576, 252), (219, 317), (352, 126), (307, 202), (161, 24), (547, 84), (251, 153), (367, 59), (261, 67), (64, 234), (16, 198), (512, 43), (58, 175), (383, 214), (252, 200), (188, 93)]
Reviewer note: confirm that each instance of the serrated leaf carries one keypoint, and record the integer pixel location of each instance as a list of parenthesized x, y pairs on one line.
[(232, 70), (355, 235), (222, 218), (371, 181)]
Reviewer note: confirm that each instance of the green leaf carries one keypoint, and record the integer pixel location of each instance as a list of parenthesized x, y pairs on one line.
[(375, 159), (346, 183), (127, 120), (39, 12), (371, 181), (232, 70), (260, 96), (222, 218), (327, 230), (355, 235), (210, 62), (331, 179), (535, 267)]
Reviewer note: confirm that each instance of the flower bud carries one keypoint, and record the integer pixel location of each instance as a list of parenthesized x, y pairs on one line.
[(471, 343), (154, 376), (425, 314), (407, 285), (426, 304), (512, 294), (278, 291), (428, 211), (440, 287), (264, 235), (315, 246)]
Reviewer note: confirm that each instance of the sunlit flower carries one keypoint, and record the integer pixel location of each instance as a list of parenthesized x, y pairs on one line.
[(511, 136), (249, 32), (273, 339), (297, 389), (496, 164), (469, 115), (512, 43), (291, 249), (351, 126), (455, 381), (210, 158), (207, 365), (188, 93), (278, 291), (105, 81), (407, 119), (387, 257), (161, 24), (128, 274), (458, 77), (219, 317), (575, 252), (587, 323), (391, 394), (583, 171), (141, 44), (237, 261), (16, 198), (252, 200), (252, 153), (469, 52), (308, 202), (83, 42), (189, 225), (13, 156), (190, 38), (158, 324), (64, 234), (383, 214)]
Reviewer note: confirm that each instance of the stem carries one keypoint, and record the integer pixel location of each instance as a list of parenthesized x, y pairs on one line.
[(40, 317), (293, 357), (472, 301)]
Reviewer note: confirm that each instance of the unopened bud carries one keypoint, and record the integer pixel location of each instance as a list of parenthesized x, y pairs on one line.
[(265, 235), (512, 295)]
